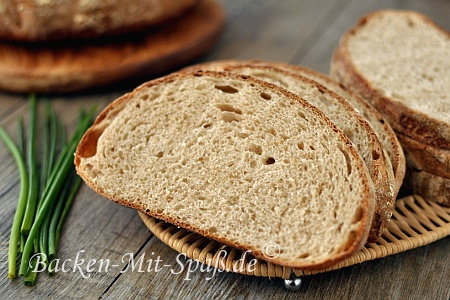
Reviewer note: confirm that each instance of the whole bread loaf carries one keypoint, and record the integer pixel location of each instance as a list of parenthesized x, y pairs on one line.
[(399, 62), (343, 115), (40, 20), (237, 160)]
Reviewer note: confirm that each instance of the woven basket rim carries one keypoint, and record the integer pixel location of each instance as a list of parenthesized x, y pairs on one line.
[(415, 222)]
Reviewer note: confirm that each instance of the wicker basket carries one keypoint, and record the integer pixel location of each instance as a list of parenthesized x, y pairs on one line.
[(415, 222)]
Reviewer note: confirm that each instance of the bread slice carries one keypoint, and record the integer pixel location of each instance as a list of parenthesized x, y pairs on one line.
[(429, 186), (426, 158), (399, 62), (344, 116), (38, 20), (237, 160)]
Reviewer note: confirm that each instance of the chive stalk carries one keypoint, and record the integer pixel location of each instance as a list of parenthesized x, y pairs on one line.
[(33, 191), (20, 210), (55, 231)]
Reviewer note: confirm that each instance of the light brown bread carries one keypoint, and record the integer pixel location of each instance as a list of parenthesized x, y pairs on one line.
[(384, 132), (235, 159), (429, 186), (73, 67), (40, 20), (343, 115), (426, 158), (398, 61)]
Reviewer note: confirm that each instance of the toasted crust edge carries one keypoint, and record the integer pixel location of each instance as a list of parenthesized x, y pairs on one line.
[(368, 200), (412, 123)]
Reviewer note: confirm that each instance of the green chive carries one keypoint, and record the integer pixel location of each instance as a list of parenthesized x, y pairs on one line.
[(55, 233), (32, 171), (20, 210), (56, 181)]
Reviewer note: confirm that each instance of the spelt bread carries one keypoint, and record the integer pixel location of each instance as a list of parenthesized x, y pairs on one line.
[(237, 160), (426, 158), (384, 132), (38, 20), (344, 116), (399, 62), (429, 186)]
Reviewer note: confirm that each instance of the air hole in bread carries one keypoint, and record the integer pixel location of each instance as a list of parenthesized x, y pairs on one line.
[(138, 105), (301, 115), (358, 215), (301, 146), (144, 97), (410, 23), (265, 96), (207, 125), (230, 117), (243, 135), (212, 229), (272, 131), (229, 108), (375, 155), (347, 161), (160, 154), (382, 121), (304, 255), (256, 149), (159, 211), (89, 149), (312, 147), (252, 163), (226, 89), (270, 161)]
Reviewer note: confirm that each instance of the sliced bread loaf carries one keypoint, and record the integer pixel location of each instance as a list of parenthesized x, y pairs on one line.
[(344, 116), (237, 160), (399, 62), (426, 158), (429, 186)]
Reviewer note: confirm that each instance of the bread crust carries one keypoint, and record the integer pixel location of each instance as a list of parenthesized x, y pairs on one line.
[(88, 142), (429, 186), (69, 68), (385, 192), (426, 158), (410, 122), (33, 20)]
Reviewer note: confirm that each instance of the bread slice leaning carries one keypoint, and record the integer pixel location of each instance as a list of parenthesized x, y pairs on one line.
[(429, 186), (426, 158), (344, 116), (399, 62), (382, 129), (237, 160)]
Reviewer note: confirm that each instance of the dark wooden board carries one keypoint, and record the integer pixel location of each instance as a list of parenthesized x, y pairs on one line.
[(301, 32)]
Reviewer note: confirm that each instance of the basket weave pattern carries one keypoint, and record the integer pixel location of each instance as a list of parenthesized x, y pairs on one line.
[(415, 222)]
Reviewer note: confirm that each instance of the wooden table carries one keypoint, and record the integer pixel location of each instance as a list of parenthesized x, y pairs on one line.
[(299, 32)]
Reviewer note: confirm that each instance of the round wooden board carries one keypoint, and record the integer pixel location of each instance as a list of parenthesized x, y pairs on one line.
[(56, 68), (416, 222)]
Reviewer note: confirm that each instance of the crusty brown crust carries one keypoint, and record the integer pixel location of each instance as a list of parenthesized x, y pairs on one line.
[(111, 110), (426, 158), (385, 193), (80, 65), (402, 118), (33, 20), (429, 186)]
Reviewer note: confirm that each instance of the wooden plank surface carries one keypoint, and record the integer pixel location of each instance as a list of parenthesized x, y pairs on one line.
[(302, 32)]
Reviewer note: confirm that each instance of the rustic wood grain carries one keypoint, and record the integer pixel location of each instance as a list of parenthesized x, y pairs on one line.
[(303, 32)]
